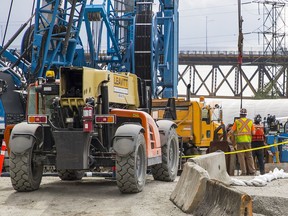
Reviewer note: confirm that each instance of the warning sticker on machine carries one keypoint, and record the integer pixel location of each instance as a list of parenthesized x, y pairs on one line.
[(120, 84)]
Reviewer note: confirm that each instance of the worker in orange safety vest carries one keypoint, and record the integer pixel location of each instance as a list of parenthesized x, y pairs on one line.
[(258, 140), (243, 130)]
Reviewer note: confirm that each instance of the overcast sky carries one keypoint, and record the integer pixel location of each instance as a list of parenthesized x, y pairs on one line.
[(203, 23), (219, 21)]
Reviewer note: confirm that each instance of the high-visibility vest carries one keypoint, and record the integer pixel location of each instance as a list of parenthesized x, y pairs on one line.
[(243, 132), (259, 133)]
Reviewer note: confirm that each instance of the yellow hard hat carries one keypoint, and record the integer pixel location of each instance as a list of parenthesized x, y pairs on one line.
[(50, 74)]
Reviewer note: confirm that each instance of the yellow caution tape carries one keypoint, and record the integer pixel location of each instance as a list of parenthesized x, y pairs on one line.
[(258, 148), (190, 156), (241, 151)]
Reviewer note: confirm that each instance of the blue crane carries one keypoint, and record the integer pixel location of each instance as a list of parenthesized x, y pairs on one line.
[(136, 40), (148, 45), (133, 32)]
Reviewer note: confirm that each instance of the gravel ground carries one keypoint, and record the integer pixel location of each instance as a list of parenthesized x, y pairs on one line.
[(90, 196), (101, 197), (270, 200)]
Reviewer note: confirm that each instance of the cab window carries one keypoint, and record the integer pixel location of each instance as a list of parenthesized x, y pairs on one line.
[(38, 104), (205, 115)]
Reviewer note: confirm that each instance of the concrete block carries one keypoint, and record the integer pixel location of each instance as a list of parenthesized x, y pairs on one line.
[(190, 188), (221, 199), (215, 164)]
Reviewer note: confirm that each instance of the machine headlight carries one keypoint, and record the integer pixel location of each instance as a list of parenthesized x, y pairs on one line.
[(69, 120)]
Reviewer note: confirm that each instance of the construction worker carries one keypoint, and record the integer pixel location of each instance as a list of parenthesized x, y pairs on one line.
[(243, 129), (258, 140)]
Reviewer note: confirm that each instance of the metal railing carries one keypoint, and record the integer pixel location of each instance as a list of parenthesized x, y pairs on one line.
[(231, 53)]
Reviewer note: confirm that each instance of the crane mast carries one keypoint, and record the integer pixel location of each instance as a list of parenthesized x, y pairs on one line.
[(165, 71)]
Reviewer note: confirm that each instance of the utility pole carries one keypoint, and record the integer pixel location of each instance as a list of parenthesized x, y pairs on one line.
[(206, 35), (240, 49)]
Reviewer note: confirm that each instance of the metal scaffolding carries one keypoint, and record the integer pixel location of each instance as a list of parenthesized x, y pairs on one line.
[(274, 44)]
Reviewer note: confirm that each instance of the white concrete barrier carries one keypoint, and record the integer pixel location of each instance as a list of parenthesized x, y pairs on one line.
[(221, 199), (191, 187), (215, 164), (203, 189)]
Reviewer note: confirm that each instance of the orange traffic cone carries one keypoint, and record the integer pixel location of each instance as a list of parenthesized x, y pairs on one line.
[(2, 156)]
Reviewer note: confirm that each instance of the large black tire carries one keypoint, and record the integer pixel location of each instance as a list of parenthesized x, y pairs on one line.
[(167, 170), (131, 170), (25, 172), (70, 175)]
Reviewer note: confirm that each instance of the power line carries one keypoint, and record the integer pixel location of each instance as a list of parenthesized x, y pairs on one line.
[(205, 8), (14, 22), (204, 14), (213, 36)]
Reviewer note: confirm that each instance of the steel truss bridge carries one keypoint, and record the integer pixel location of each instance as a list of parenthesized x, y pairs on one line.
[(217, 74)]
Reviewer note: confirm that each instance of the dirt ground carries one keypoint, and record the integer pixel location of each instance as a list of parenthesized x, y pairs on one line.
[(100, 197), (90, 196), (270, 200)]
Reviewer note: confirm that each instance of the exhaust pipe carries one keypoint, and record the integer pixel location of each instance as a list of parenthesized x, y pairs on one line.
[(188, 93)]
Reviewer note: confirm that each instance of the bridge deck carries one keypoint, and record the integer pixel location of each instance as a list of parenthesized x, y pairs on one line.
[(230, 58)]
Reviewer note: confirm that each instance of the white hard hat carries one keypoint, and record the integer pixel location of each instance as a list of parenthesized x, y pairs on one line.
[(243, 111)]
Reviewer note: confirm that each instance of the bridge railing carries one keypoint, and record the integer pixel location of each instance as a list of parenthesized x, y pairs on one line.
[(231, 53)]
